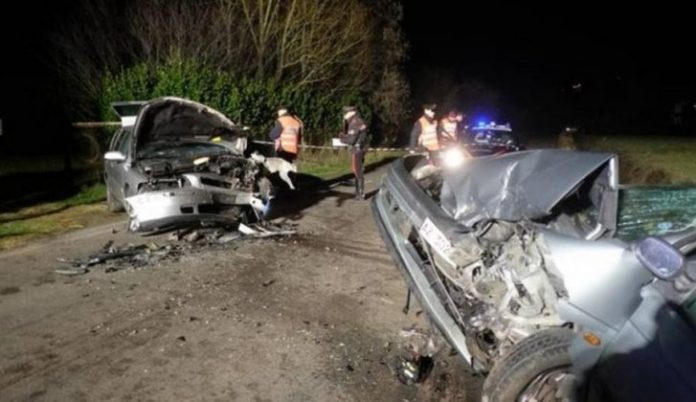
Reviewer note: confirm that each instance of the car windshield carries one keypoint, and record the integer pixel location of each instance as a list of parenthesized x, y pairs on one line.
[(168, 150)]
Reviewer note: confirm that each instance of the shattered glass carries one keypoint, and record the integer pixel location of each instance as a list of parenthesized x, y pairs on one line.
[(655, 210)]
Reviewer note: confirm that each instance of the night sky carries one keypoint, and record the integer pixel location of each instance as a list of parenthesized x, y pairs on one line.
[(633, 64)]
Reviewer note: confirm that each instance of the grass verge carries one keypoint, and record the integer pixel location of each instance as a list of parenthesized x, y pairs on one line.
[(329, 164), (78, 211), (649, 160)]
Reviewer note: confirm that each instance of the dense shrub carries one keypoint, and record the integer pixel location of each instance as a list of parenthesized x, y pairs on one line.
[(246, 101)]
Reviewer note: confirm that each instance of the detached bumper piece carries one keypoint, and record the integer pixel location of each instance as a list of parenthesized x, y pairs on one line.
[(396, 214)]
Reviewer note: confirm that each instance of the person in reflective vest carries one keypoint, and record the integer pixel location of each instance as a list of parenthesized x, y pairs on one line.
[(448, 129), (355, 134), (286, 134), (424, 133)]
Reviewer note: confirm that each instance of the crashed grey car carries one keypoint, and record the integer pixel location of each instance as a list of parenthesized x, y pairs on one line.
[(516, 261), (177, 162)]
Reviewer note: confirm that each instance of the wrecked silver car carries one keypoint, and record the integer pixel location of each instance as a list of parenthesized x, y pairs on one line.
[(516, 261), (176, 162)]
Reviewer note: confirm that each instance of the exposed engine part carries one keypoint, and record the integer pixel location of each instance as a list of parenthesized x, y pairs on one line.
[(498, 279)]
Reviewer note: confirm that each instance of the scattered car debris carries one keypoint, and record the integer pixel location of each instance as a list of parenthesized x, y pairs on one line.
[(179, 243), (416, 362), (268, 283), (413, 371)]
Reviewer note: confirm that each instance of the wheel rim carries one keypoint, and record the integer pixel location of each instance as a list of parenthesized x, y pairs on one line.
[(548, 386)]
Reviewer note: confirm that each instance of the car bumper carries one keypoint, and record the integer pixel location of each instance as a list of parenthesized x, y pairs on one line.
[(398, 207), (187, 206)]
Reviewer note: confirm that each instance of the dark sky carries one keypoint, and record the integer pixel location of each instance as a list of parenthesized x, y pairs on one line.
[(630, 60), (497, 39)]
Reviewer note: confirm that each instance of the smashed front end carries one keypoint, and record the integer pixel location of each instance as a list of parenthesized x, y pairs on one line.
[(200, 197), (471, 241), (194, 168)]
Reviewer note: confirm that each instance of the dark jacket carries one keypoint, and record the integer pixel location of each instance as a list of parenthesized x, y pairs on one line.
[(355, 133)]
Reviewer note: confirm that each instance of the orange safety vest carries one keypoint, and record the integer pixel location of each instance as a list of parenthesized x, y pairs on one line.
[(449, 129), (290, 136), (428, 136)]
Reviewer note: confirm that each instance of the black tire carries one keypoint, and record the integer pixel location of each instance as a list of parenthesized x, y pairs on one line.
[(112, 203), (534, 356)]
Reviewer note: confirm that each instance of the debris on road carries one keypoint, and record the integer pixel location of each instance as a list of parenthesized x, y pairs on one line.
[(413, 371), (415, 362), (178, 243)]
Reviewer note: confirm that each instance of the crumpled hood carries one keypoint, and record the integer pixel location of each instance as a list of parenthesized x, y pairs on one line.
[(174, 119), (527, 185)]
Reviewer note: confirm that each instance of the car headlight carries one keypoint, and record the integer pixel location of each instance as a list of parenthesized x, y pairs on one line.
[(453, 157)]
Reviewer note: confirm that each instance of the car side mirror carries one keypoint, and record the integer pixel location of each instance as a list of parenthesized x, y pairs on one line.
[(114, 156), (659, 257)]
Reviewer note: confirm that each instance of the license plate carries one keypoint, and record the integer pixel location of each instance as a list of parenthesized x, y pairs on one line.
[(434, 236)]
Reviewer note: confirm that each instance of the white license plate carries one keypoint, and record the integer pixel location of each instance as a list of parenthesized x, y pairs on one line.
[(434, 236)]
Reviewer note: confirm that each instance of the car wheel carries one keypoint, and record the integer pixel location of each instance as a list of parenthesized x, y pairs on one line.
[(112, 203), (538, 368)]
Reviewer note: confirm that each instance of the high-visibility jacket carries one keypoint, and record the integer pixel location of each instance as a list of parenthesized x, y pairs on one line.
[(428, 135), (448, 129), (290, 136)]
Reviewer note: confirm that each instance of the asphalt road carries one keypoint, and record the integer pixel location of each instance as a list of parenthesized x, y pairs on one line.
[(313, 317)]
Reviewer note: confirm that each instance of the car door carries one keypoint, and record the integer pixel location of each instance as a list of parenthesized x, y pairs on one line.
[(116, 172)]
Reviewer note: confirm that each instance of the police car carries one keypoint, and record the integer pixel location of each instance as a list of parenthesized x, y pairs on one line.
[(492, 139)]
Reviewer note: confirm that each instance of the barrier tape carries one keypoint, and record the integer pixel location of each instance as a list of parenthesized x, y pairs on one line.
[(333, 148)]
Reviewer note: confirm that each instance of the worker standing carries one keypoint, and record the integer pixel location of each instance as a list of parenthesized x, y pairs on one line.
[(448, 129), (355, 134), (286, 134), (424, 133)]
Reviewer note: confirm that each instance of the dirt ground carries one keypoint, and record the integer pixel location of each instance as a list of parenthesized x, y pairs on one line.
[(313, 317)]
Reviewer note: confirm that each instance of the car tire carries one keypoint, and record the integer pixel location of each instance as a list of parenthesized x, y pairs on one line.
[(529, 365), (112, 203)]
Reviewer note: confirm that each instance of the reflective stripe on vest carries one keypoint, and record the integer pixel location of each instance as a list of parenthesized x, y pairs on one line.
[(290, 136), (428, 136)]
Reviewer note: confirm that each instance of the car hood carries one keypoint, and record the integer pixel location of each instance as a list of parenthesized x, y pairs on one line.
[(176, 119), (528, 185)]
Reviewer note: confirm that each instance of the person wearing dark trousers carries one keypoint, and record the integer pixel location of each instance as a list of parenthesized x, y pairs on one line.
[(355, 134)]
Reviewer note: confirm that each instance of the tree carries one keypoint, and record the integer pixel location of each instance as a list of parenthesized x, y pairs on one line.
[(335, 46)]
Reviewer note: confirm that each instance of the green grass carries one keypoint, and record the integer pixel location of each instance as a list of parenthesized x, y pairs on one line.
[(329, 164), (75, 212), (87, 195), (649, 160)]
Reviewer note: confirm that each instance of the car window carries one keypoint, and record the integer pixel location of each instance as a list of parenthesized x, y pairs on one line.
[(124, 142), (114, 140)]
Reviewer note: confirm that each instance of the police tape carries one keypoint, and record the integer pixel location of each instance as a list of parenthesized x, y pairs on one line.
[(334, 148)]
